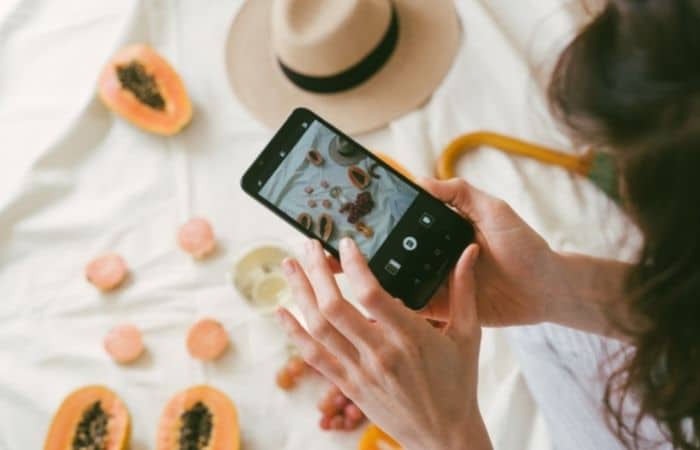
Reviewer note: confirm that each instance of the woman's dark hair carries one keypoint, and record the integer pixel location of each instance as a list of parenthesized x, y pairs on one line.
[(630, 82)]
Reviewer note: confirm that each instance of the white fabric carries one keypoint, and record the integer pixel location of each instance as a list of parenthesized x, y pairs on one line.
[(76, 181)]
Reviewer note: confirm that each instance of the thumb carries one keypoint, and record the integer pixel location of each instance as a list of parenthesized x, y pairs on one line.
[(457, 193), (463, 315)]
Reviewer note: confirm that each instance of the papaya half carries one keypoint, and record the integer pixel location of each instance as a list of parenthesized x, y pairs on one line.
[(199, 418), (374, 438), (140, 85), (92, 417)]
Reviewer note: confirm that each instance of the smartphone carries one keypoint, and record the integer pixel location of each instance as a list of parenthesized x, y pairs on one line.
[(328, 186)]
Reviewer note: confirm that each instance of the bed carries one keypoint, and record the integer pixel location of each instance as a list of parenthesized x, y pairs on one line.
[(76, 181)]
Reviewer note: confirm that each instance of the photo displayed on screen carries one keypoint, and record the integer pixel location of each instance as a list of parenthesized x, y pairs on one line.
[(334, 190)]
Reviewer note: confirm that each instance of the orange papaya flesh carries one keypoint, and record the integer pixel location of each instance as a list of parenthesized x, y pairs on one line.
[(374, 438), (91, 417), (201, 418), (139, 85)]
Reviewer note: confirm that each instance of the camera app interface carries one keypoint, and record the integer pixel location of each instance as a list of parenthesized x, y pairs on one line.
[(333, 189)]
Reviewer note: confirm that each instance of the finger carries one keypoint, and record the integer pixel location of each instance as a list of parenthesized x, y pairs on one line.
[(319, 327), (438, 308), (463, 318), (311, 350), (334, 264), (380, 304), (457, 193), (334, 308)]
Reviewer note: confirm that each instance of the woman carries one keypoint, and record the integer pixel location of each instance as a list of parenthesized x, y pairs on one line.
[(630, 82)]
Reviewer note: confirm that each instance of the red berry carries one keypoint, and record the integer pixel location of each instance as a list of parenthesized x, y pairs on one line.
[(337, 423), (327, 407), (352, 412), (349, 424), (325, 423), (339, 401), (334, 391)]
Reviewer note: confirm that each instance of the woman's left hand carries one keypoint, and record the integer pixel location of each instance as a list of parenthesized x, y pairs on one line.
[(414, 381)]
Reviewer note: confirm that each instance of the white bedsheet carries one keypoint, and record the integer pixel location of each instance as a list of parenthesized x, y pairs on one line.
[(76, 181)]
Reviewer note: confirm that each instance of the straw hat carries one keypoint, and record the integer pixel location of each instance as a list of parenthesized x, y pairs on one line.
[(357, 63)]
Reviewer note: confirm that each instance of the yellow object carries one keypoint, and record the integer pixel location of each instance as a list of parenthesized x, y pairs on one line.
[(375, 439), (467, 142)]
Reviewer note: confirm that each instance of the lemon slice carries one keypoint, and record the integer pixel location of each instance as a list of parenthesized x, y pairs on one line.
[(257, 275), (270, 291)]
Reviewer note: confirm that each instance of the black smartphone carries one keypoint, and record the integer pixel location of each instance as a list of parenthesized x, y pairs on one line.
[(328, 186)]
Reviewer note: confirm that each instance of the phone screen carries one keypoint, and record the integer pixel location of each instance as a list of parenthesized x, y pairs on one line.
[(329, 187)]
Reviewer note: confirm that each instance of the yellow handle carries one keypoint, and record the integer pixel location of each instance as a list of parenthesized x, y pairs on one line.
[(468, 142)]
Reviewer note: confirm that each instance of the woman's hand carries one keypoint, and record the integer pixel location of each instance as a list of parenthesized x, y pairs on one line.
[(517, 274), (414, 381)]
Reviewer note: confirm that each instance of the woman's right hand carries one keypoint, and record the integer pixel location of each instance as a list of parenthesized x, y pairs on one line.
[(517, 273)]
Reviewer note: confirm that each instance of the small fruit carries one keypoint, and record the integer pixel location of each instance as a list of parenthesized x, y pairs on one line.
[(325, 184), (309, 190), (124, 343), (353, 412), (363, 205), (196, 237), (325, 423), (207, 340), (366, 230), (285, 380), (305, 221), (315, 157), (339, 412), (140, 85), (337, 423), (312, 203), (325, 226), (327, 406), (106, 272), (358, 177), (296, 366), (91, 417), (200, 417), (327, 203), (291, 372)]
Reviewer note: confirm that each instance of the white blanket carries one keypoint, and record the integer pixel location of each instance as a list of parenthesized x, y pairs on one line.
[(76, 181)]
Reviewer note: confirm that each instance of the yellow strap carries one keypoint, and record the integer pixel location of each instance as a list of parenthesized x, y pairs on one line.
[(448, 159)]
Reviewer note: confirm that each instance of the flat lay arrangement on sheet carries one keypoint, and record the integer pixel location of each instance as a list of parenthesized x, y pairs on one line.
[(76, 181)]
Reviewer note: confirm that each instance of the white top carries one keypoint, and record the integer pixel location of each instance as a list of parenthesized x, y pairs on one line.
[(566, 372)]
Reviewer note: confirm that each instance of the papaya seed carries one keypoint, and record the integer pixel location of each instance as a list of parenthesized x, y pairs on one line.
[(133, 77)]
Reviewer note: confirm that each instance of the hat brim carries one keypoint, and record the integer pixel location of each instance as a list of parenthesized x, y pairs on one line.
[(429, 37)]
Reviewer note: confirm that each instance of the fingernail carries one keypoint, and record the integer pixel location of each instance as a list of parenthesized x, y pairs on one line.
[(288, 266), (345, 244)]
